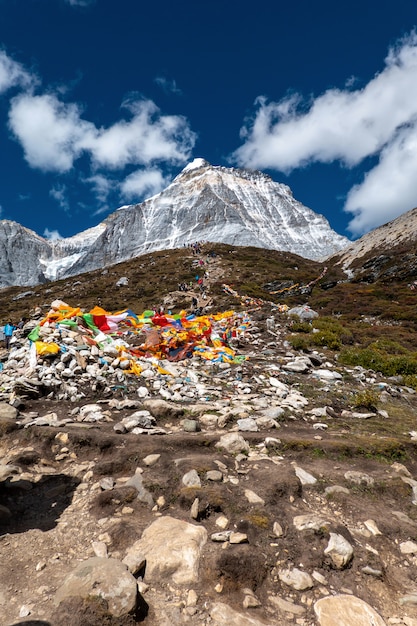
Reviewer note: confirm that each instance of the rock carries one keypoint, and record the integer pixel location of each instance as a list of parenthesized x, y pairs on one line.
[(214, 475), (339, 550), (194, 512), (222, 522), (253, 498), (327, 374), (172, 550), (359, 478), (134, 560), (223, 615), (296, 578), (248, 424), (299, 367), (350, 611), (233, 443), (8, 470), (163, 409), (151, 459), (329, 491), (99, 548), (304, 477), (7, 411), (372, 527), (107, 578), (287, 607), (191, 479), (413, 485), (191, 426), (144, 495), (408, 547), (238, 538), (310, 522)]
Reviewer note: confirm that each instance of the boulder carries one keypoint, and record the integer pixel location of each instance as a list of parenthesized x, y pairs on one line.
[(106, 578), (172, 550)]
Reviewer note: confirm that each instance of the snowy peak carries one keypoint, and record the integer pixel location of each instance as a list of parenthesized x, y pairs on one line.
[(204, 202)]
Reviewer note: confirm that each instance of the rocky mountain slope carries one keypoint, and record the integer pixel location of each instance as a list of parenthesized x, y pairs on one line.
[(203, 202), (278, 488), (388, 250)]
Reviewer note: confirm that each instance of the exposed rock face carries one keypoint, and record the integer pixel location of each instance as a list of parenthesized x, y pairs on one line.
[(217, 204)]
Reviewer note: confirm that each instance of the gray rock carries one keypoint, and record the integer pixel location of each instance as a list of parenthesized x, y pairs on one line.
[(144, 495), (191, 479), (107, 578), (248, 424), (214, 475), (233, 443), (191, 426)]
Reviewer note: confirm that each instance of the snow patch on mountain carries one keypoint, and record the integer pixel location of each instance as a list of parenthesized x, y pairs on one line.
[(204, 202)]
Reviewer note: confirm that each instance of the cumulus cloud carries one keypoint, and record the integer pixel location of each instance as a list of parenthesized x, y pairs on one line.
[(145, 138), (50, 132), (52, 235), (54, 135), (13, 74), (143, 183), (347, 126)]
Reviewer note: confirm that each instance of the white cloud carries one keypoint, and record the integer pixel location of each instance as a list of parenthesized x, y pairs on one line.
[(143, 183), (53, 235), (80, 3), (168, 86), (102, 186), (59, 193), (347, 126), (49, 131), (53, 135), (147, 137), (13, 74), (388, 189)]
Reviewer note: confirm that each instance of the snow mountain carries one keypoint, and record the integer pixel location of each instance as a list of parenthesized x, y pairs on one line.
[(204, 202)]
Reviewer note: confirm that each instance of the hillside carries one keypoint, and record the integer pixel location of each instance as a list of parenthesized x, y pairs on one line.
[(270, 487)]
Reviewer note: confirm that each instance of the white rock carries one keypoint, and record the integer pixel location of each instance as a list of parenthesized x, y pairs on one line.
[(304, 477), (339, 550), (350, 611), (296, 578)]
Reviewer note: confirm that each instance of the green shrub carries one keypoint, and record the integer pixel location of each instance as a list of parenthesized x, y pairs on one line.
[(367, 399), (388, 365)]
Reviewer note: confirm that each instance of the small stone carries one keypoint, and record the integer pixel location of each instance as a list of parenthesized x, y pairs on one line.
[(151, 459), (194, 509), (253, 498), (238, 538), (222, 522), (99, 548), (277, 529), (214, 475)]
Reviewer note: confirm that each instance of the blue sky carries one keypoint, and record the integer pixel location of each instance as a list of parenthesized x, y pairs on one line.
[(103, 102)]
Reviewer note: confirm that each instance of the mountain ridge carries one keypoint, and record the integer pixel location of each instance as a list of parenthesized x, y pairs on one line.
[(204, 202)]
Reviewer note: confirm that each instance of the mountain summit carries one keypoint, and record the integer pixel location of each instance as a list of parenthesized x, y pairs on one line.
[(204, 202)]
